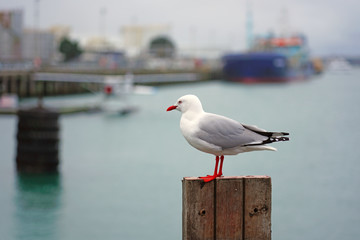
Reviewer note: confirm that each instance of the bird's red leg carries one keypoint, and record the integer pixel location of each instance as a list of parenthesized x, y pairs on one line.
[(209, 178), (221, 165)]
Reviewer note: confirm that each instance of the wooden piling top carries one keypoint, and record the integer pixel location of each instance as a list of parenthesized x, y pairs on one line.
[(230, 177), (233, 207)]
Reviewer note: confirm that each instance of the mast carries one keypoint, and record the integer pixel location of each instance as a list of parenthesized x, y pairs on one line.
[(249, 26)]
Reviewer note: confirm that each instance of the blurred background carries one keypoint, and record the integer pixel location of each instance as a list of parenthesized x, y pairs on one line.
[(88, 151)]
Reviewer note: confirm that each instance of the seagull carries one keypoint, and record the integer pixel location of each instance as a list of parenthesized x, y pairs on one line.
[(219, 135)]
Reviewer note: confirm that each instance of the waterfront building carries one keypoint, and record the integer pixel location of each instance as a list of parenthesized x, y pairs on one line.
[(39, 45), (11, 31), (136, 38)]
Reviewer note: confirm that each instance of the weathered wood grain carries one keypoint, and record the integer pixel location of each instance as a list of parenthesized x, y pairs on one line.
[(257, 208), (198, 209), (228, 208)]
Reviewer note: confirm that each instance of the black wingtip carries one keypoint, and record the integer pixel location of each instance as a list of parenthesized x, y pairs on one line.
[(284, 139), (285, 133)]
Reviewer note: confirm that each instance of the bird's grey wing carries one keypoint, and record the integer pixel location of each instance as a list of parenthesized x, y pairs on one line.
[(225, 132)]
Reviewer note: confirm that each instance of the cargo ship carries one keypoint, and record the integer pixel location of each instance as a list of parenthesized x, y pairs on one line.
[(270, 60)]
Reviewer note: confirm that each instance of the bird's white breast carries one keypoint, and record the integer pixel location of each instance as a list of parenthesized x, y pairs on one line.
[(189, 128)]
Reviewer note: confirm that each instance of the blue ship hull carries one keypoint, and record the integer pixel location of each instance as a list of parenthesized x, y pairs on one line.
[(263, 67)]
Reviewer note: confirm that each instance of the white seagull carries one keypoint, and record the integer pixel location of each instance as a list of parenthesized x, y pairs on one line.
[(219, 135)]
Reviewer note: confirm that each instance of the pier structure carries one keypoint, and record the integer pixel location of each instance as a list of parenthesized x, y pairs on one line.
[(25, 84), (50, 83)]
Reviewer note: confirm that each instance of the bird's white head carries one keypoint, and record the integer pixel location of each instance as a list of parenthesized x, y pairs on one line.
[(187, 103)]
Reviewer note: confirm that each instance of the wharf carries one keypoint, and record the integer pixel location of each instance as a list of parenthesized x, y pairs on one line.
[(61, 110), (49, 82)]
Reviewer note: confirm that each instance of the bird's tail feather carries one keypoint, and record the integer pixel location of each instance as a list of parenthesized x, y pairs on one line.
[(271, 136), (258, 148), (269, 140), (278, 134), (275, 135)]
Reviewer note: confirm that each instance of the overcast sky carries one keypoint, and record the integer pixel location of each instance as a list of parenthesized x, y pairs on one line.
[(332, 26)]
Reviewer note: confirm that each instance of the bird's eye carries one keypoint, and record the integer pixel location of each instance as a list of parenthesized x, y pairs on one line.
[(180, 102)]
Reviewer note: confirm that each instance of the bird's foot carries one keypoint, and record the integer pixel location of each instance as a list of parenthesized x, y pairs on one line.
[(209, 178), (217, 175)]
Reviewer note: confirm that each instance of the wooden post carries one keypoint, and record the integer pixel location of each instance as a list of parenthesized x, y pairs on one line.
[(38, 140), (227, 208)]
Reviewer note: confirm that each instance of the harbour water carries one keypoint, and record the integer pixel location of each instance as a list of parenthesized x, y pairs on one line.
[(120, 176)]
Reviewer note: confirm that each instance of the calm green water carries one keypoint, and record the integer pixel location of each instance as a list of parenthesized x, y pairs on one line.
[(120, 177)]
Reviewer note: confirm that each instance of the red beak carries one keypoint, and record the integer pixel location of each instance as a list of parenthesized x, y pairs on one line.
[(171, 108)]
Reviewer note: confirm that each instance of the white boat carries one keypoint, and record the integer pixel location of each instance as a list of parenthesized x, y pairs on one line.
[(339, 65)]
